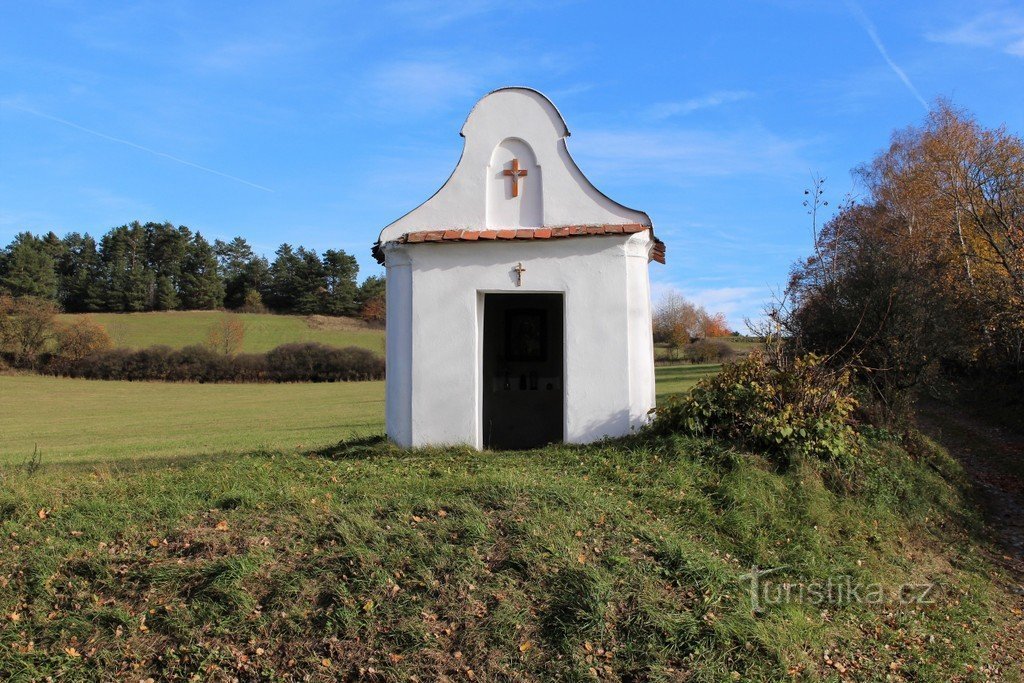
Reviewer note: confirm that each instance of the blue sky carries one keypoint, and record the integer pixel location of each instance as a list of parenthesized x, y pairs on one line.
[(318, 123)]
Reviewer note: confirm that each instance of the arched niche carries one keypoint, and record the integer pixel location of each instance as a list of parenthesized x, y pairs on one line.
[(504, 210)]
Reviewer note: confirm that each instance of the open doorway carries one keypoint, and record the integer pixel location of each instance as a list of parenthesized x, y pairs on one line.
[(523, 393)]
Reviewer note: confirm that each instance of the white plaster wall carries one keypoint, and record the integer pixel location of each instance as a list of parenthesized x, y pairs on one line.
[(565, 194), (434, 344), (398, 348)]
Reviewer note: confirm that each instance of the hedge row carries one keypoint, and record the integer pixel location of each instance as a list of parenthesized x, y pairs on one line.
[(300, 362)]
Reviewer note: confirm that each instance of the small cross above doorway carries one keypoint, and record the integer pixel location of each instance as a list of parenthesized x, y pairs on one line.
[(519, 270), (515, 173)]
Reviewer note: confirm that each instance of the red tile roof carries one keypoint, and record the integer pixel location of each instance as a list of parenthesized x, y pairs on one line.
[(657, 253)]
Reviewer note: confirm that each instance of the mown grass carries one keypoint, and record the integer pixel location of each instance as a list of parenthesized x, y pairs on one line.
[(622, 560), (675, 379), (262, 331), (87, 420), (99, 421)]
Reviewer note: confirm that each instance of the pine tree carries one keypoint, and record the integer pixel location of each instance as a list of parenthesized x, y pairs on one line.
[(201, 286), (27, 268)]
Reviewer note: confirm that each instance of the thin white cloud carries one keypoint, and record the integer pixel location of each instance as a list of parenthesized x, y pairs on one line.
[(243, 54), (128, 143), (431, 14), (718, 98), (869, 27), (1003, 31), (679, 154), (423, 85)]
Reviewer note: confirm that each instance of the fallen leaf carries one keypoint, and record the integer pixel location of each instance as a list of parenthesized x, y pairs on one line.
[(442, 513), (154, 543), (526, 645), (42, 513), (14, 616), (582, 559), (72, 652), (222, 525), (368, 606), (326, 663)]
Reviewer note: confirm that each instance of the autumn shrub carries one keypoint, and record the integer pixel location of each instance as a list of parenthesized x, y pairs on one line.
[(27, 326), (81, 338), (706, 351), (374, 310), (226, 336), (783, 408)]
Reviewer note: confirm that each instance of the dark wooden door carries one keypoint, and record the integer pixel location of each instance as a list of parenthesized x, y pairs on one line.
[(523, 392)]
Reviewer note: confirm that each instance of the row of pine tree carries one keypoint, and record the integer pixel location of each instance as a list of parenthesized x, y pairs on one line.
[(160, 267)]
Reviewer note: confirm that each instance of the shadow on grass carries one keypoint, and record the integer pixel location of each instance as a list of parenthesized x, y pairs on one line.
[(356, 448)]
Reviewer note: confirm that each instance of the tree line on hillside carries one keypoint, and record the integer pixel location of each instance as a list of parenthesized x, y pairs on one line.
[(917, 288), (160, 267), (920, 283), (32, 337)]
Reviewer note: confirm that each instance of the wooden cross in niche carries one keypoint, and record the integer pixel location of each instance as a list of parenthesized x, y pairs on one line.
[(519, 270), (515, 173)]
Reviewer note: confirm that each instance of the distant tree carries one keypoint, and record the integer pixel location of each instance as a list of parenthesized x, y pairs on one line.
[(675, 319), (27, 325), (165, 297), (342, 293), (715, 325), (227, 335), (201, 286), (27, 268), (167, 248), (129, 283), (81, 338), (311, 282), (372, 298), (241, 270), (81, 274), (253, 302), (282, 289)]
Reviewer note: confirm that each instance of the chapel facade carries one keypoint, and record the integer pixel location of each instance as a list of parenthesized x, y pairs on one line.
[(518, 295)]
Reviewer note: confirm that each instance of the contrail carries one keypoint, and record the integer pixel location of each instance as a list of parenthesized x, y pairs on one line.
[(864, 21), (132, 144)]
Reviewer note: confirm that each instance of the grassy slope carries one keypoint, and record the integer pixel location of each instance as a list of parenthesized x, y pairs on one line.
[(262, 332), (88, 420), (618, 561)]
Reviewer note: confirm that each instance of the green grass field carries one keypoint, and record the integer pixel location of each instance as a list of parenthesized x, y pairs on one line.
[(262, 331), (91, 421)]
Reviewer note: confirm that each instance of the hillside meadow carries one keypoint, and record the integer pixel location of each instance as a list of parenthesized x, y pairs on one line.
[(263, 331)]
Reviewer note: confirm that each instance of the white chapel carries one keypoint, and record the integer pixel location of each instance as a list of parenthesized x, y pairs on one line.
[(518, 296)]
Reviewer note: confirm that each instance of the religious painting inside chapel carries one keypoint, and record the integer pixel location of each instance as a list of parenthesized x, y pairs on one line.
[(522, 370)]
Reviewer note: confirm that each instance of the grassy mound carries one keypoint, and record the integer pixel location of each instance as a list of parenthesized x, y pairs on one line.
[(623, 560)]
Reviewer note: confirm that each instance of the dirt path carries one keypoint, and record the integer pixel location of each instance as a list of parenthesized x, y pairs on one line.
[(993, 458)]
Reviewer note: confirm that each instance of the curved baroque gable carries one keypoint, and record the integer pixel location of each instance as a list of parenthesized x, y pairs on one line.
[(514, 137)]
